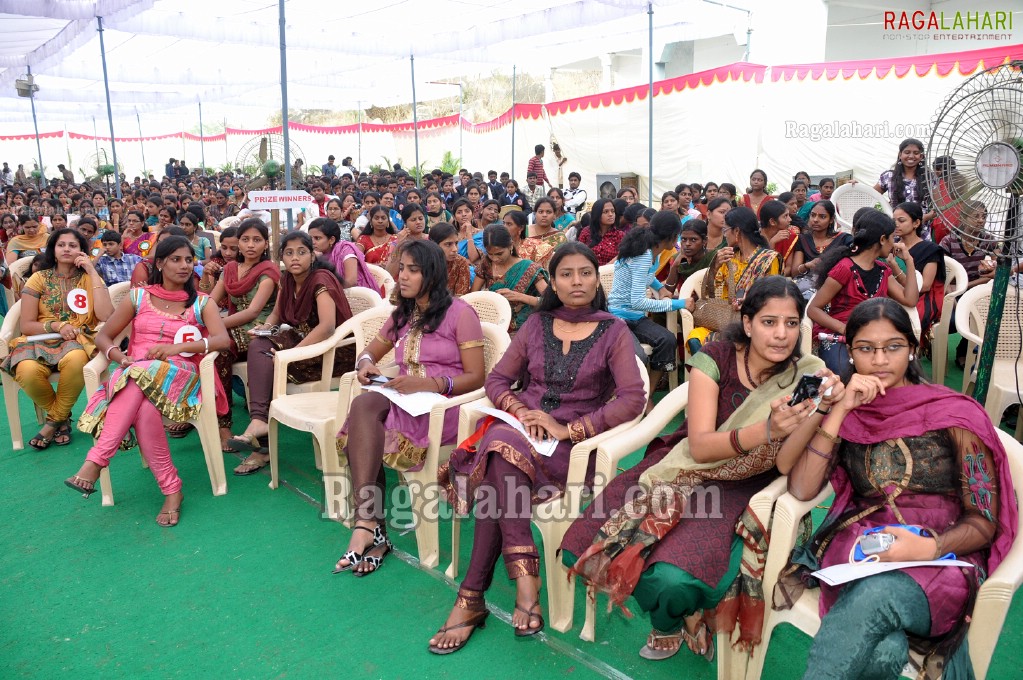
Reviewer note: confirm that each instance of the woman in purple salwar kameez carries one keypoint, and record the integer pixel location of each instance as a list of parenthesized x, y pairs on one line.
[(569, 359), (899, 452)]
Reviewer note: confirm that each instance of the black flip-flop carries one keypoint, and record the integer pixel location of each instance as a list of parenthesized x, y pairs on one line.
[(179, 433), (245, 442)]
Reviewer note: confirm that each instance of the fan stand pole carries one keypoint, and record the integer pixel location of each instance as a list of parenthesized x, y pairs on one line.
[(997, 305), (992, 328)]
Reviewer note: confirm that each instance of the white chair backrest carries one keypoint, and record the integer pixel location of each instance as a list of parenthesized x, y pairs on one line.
[(495, 343), (490, 307), (607, 278), (849, 198), (19, 272), (691, 284), (11, 327), (383, 278), (956, 279), (118, 292), (367, 326), (972, 310), (360, 299)]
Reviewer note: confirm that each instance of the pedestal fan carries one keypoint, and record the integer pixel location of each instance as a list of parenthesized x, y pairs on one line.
[(977, 147)]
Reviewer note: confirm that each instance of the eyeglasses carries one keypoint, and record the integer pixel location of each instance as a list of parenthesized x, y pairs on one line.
[(870, 350)]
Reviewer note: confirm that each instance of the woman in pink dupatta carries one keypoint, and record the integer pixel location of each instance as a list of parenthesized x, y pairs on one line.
[(346, 257), (899, 452)]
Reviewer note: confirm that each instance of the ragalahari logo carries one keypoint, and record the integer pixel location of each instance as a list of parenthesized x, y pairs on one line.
[(942, 21)]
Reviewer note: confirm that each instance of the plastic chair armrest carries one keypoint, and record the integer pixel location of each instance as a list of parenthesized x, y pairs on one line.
[(652, 425), (320, 350)]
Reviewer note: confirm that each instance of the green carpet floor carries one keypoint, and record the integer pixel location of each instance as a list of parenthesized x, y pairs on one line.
[(242, 587)]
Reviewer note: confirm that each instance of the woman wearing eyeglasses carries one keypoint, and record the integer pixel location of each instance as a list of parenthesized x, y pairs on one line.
[(898, 452)]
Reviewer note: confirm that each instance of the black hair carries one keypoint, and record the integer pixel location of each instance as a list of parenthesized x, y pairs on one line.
[(697, 226), (550, 301), (784, 197), (869, 227), (666, 194), (50, 259), (897, 186), (410, 209), (442, 231), (538, 149), (632, 213), (576, 175), (170, 211), (717, 202), (520, 219), (544, 200), (826, 180), (745, 222), (257, 224), (595, 213), (498, 236), (804, 173), (798, 183), (198, 211), (915, 212), (110, 236), (762, 174), (433, 266), (730, 188), (665, 226), (415, 191), (387, 213), (307, 241), (762, 291), (648, 214), (327, 226), (371, 194), (163, 250), (559, 192), (876, 309), (772, 210), (829, 208)]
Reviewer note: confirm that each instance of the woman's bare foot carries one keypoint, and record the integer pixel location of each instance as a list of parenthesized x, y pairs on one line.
[(528, 614), (358, 545), (225, 434), (697, 636), (254, 462), (660, 646), (170, 513), (258, 429)]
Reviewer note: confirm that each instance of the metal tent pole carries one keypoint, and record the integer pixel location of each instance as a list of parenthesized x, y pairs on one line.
[(650, 108), (39, 146), (284, 110), (356, 179), (110, 112), (142, 145), (511, 170), (202, 139), (415, 115), (461, 107)]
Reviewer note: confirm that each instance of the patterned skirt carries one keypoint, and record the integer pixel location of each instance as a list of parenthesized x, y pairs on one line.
[(46, 352), (172, 386)]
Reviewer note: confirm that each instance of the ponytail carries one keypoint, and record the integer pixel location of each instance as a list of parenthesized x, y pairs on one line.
[(870, 226)]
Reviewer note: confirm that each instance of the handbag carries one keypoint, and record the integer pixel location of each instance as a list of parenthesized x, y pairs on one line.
[(713, 313)]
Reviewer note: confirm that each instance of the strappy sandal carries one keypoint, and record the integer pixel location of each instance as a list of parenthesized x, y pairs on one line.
[(695, 639), (247, 442), (478, 620), (176, 512), (178, 430), (86, 487), (41, 443), (379, 539), (527, 631), (62, 435), (354, 558), (657, 653), (253, 464)]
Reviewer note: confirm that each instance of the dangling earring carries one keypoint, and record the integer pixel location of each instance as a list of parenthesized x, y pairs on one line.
[(851, 360), (912, 356)]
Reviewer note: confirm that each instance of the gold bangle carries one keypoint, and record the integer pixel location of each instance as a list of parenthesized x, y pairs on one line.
[(830, 437)]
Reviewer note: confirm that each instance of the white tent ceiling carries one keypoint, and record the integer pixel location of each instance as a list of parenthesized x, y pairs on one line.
[(165, 55)]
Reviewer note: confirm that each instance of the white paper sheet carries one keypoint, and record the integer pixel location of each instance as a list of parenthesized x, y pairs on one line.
[(415, 404), (843, 573), (44, 336), (543, 447)]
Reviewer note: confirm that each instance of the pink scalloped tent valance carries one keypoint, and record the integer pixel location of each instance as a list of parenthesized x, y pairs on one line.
[(967, 63)]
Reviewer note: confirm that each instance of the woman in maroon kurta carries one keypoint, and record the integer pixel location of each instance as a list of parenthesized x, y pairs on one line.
[(570, 358), (907, 454)]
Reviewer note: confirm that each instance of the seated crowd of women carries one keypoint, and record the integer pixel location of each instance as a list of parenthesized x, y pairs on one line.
[(899, 452)]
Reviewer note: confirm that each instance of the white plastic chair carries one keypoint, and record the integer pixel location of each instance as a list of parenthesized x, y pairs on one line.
[(490, 307), (360, 299), (205, 422), (989, 611), (554, 517), (424, 504), (956, 282), (383, 279), (314, 410), (850, 197), (11, 329), (1007, 370)]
